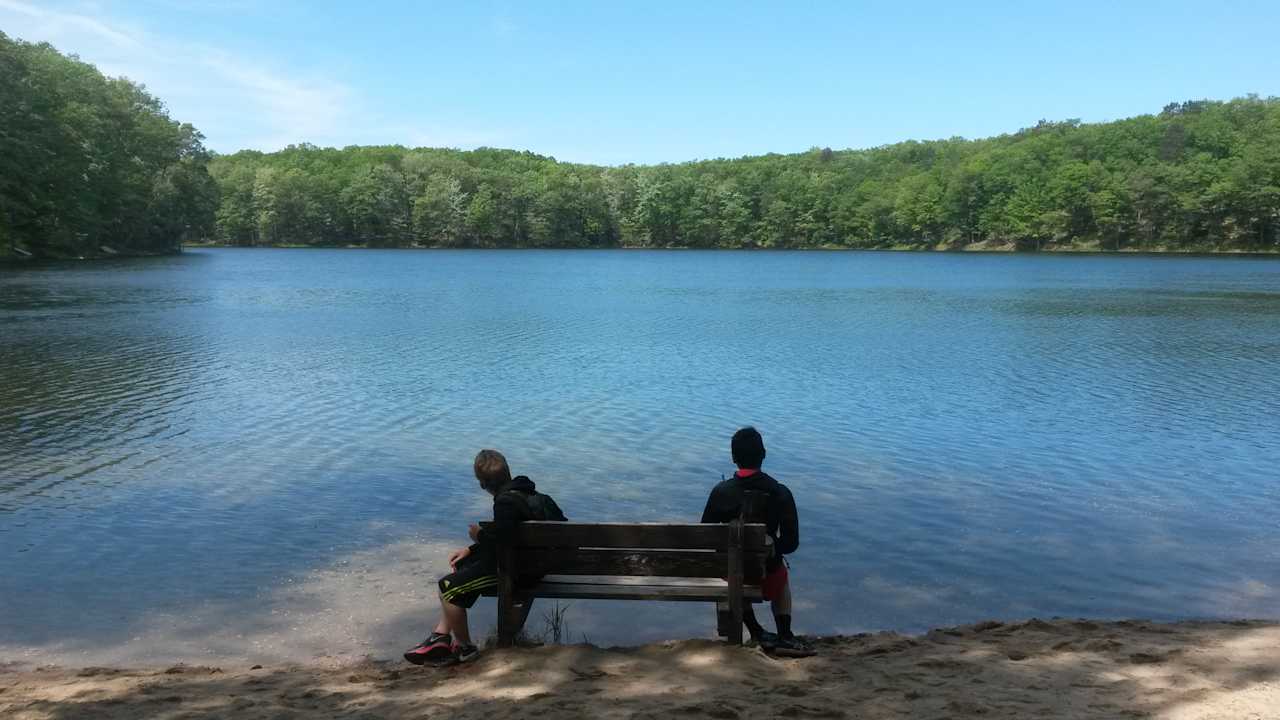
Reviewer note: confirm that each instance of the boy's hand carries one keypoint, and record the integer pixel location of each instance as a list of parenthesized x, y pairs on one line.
[(474, 531), (456, 557)]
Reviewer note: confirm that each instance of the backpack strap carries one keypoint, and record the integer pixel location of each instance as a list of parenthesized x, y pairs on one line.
[(755, 506)]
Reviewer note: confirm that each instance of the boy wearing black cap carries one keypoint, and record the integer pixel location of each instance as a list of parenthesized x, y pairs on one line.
[(773, 505)]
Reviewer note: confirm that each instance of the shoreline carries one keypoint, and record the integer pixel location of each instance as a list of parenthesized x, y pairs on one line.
[(1124, 252), (1048, 669), (10, 260), (16, 261)]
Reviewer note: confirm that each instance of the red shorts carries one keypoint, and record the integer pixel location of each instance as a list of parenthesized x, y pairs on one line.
[(774, 582)]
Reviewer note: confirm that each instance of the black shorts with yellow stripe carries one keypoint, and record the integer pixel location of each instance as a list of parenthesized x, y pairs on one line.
[(473, 576)]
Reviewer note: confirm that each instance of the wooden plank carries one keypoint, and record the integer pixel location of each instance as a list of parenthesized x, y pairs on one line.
[(701, 593), (715, 582), (631, 587), (668, 563), (735, 582), (506, 597), (674, 536)]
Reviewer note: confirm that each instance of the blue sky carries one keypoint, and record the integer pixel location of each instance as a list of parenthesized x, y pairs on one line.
[(644, 82)]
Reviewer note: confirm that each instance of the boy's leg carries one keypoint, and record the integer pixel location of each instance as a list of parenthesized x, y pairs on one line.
[(459, 591), (754, 627), (454, 620), (781, 606), (788, 644), (437, 646), (776, 588)]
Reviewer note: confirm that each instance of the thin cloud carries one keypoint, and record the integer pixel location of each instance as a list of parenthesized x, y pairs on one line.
[(503, 27), (238, 102), (208, 6), (57, 23), (291, 111)]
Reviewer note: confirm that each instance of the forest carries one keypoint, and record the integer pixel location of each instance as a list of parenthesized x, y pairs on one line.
[(1200, 176), (91, 165)]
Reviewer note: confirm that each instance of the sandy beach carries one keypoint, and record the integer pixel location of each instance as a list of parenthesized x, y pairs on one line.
[(1041, 669)]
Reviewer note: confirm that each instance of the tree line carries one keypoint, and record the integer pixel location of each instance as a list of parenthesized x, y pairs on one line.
[(1197, 176), (91, 165)]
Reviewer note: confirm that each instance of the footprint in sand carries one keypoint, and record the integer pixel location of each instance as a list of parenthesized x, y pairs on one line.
[(809, 711), (941, 664), (795, 691), (1103, 645), (968, 707)]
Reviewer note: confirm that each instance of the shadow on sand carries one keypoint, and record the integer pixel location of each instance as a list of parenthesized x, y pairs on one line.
[(1054, 669)]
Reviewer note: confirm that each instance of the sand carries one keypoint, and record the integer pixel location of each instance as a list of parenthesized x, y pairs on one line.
[(1035, 669)]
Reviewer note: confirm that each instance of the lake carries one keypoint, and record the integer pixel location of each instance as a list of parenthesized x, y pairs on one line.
[(265, 453)]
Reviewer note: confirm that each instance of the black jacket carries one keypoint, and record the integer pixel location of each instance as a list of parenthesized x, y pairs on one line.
[(518, 501), (778, 513)]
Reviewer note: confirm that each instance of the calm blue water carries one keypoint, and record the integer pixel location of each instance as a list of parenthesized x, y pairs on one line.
[(967, 436)]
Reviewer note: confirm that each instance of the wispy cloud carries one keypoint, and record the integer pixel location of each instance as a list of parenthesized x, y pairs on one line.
[(62, 23), (286, 110), (236, 101), (503, 27)]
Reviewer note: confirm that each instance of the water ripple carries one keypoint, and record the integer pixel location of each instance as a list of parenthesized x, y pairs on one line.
[(966, 436)]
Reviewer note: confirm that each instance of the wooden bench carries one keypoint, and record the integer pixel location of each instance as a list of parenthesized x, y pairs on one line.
[(631, 561)]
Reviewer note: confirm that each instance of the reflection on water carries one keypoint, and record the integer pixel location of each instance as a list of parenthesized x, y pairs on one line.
[(967, 436)]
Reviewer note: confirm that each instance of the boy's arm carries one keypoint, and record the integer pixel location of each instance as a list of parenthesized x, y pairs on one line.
[(788, 522), (709, 514)]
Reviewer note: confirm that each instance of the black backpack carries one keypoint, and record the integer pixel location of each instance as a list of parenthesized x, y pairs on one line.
[(757, 506), (539, 506)]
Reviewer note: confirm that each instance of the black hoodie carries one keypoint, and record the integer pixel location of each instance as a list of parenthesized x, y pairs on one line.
[(511, 506), (779, 515)]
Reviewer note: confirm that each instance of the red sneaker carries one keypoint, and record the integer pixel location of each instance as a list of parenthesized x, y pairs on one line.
[(436, 647)]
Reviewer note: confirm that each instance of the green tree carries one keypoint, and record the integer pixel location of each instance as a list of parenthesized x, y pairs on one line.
[(440, 212), (482, 217), (1198, 174), (93, 165), (376, 204)]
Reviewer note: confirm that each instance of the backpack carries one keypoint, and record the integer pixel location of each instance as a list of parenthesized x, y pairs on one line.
[(757, 506), (540, 506)]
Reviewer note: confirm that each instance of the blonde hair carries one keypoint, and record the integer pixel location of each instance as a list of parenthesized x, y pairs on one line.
[(492, 470)]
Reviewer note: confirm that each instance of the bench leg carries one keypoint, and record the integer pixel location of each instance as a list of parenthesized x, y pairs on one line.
[(735, 582), (506, 634), (507, 627), (734, 636), (724, 620), (519, 615)]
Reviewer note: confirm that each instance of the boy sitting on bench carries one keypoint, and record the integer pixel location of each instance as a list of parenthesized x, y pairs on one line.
[(475, 568), (774, 506)]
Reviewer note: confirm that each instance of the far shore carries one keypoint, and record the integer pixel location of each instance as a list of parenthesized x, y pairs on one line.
[(915, 249), (1032, 669), (20, 260)]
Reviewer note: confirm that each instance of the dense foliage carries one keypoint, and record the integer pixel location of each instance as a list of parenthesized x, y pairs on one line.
[(91, 165), (1200, 175)]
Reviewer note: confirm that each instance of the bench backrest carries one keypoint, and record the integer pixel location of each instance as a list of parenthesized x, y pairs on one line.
[(639, 549)]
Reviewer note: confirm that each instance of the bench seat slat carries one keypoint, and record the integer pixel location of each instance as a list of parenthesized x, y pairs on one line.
[(635, 588)]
